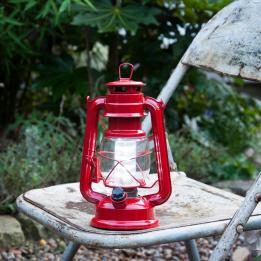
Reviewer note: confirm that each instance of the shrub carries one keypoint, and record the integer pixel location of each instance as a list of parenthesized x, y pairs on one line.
[(48, 152), (209, 161), (213, 126), (192, 156)]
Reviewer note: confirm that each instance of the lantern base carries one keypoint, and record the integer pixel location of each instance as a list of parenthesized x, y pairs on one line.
[(132, 214)]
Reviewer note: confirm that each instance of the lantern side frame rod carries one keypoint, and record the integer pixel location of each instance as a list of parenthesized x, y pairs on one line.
[(161, 152)]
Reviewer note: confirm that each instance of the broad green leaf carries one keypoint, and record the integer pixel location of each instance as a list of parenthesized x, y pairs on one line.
[(60, 75), (30, 4), (7, 20), (65, 6), (86, 2), (17, 40), (18, 1), (109, 18), (46, 9)]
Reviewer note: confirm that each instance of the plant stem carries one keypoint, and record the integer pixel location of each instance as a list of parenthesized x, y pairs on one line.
[(88, 58)]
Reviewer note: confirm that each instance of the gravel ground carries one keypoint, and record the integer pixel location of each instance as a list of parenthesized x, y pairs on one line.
[(51, 250)]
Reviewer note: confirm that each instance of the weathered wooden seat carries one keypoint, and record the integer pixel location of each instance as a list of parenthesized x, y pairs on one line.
[(194, 210)]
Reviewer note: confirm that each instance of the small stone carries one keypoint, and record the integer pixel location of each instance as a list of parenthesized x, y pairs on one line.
[(11, 233), (182, 256), (33, 251), (205, 241), (157, 253), (82, 247), (150, 251), (16, 252), (167, 253), (241, 254), (49, 256), (42, 243), (158, 259), (62, 245), (52, 243), (203, 251), (5, 256), (182, 249), (32, 229)]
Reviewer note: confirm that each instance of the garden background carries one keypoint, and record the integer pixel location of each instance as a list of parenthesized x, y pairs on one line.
[(54, 53)]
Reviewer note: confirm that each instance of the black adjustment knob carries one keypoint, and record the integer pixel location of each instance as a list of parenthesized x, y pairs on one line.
[(118, 194)]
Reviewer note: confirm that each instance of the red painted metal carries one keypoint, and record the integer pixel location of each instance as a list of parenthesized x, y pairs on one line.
[(136, 213), (125, 81), (124, 105), (89, 147)]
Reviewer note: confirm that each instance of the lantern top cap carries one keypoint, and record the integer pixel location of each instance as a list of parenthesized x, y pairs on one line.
[(125, 81)]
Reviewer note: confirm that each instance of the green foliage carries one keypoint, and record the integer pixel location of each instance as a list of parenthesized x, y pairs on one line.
[(221, 123), (51, 9), (192, 156), (233, 167), (257, 258), (11, 32), (208, 161), (110, 18), (48, 153), (229, 118), (195, 11), (46, 38), (55, 52), (60, 74), (233, 123)]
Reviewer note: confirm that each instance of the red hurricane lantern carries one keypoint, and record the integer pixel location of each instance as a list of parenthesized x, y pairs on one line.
[(122, 163)]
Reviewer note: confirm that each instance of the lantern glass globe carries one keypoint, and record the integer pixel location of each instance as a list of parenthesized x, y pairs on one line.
[(124, 162)]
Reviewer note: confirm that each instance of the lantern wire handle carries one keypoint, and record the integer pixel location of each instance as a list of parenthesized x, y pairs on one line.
[(132, 69)]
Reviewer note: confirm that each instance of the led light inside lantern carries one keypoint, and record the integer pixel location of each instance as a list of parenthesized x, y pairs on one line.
[(123, 160)]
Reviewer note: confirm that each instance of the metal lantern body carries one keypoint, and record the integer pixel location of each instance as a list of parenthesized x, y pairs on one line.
[(122, 163)]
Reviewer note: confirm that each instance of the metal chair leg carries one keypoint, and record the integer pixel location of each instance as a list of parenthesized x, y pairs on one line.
[(192, 250), (172, 163), (70, 251), (238, 222)]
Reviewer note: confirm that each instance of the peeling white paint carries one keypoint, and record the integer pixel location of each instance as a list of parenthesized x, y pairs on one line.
[(230, 43)]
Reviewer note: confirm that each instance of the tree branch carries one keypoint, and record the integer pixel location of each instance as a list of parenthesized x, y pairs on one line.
[(87, 33)]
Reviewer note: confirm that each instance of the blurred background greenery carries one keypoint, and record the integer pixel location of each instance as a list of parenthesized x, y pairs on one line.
[(55, 52)]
